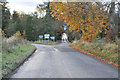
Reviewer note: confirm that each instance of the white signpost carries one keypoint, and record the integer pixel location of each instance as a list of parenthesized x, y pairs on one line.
[(52, 38), (46, 36)]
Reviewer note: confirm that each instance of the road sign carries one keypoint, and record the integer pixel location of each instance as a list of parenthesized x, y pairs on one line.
[(53, 38), (46, 36), (40, 36)]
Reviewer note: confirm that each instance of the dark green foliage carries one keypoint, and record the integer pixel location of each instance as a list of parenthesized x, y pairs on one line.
[(5, 15), (29, 29), (19, 26), (46, 26), (35, 27), (0, 16), (70, 37), (15, 16), (58, 33), (11, 29), (33, 24)]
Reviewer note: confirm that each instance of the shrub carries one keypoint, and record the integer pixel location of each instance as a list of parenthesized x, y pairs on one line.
[(108, 51), (17, 35), (10, 43)]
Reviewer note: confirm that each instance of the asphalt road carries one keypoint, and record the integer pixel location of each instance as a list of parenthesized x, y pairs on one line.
[(61, 61)]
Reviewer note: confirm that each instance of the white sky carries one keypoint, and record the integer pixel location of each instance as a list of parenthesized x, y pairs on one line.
[(27, 6)]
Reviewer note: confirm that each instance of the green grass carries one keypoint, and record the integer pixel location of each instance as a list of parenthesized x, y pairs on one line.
[(12, 60), (108, 51), (51, 43)]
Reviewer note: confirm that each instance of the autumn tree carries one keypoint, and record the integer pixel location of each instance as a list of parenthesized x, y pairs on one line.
[(113, 10), (81, 16)]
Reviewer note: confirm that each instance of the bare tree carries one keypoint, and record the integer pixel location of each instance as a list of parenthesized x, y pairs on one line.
[(113, 9)]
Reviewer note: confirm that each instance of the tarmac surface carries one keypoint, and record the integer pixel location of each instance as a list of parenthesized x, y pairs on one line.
[(61, 61)]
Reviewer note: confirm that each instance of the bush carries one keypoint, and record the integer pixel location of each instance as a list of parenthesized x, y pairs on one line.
[(14, 51), (10, 43)]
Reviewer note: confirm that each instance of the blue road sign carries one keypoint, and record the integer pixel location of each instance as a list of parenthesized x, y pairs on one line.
[(40, 36)]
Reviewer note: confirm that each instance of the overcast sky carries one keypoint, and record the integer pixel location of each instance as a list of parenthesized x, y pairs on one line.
[(24, 5)]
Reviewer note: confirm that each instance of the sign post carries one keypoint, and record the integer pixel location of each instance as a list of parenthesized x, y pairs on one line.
[(46, 36), (40, 37), (52, 38)]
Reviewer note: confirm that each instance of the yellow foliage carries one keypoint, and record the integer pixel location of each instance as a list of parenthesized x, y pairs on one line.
[(81, 15), (2, 34), (17, 35), (24, 34)]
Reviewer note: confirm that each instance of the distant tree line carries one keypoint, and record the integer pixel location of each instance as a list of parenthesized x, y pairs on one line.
[(30, 25)]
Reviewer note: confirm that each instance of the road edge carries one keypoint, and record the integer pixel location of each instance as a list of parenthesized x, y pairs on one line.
[(90, 54), (14, 70)]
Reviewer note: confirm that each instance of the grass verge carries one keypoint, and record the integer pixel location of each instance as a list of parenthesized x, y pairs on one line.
[(51, 43), (107, 52), (11, 60)]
